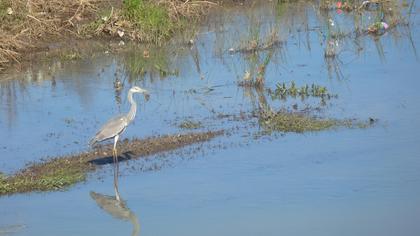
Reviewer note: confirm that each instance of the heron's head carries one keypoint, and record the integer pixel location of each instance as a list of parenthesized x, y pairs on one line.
[(137, 89)]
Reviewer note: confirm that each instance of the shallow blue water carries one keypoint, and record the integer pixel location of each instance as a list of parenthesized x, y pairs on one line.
[(337, 182)]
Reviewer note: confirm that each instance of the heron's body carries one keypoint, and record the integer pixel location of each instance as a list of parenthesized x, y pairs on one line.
[(116, 126), (110, 129)]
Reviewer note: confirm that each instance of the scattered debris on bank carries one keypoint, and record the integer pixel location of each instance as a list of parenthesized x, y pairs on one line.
[(28, 26)]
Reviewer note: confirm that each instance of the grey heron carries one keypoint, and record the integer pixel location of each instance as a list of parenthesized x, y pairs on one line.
[(116, 126)]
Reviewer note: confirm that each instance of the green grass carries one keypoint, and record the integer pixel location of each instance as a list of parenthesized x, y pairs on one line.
[(283, 90), (148, 17), (52, 175)]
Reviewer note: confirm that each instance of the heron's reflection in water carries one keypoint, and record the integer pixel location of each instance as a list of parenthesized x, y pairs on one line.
[(116, 206), (117, 209)]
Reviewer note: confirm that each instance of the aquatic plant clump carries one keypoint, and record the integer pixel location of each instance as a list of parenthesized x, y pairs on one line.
[(283, 90), (190, 124), (294, 122), (285, 121)]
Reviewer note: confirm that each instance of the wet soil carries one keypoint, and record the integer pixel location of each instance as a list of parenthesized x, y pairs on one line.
[(61, 172)]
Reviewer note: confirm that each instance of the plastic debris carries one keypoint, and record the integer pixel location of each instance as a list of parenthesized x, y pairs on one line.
[(120, 33), (9, 11), (378, 28), (247, 76), (339, 4)]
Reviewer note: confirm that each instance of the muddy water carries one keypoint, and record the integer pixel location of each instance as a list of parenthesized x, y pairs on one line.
[(342, 181)]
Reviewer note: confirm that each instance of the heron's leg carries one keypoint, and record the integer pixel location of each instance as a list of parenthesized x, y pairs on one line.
[(116, 168)]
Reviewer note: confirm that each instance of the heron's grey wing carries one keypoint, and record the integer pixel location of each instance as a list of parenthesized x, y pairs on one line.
[(110, 129)]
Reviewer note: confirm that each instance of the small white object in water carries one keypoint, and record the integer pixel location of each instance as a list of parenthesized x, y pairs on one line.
[(331, 22), (121, 43), (247, 76), (9, 11), (120, 33), (231, 50)]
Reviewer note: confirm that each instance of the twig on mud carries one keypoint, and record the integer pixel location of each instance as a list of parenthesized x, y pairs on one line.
[(33, 17), (75, 13)]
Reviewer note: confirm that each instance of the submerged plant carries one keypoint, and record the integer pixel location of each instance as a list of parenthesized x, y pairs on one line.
[(190, 124)]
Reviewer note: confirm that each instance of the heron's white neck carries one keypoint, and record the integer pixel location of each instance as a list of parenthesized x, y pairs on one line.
[(132, 113)]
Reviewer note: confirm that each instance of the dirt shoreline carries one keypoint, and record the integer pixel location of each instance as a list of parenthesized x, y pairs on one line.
[(61, 172), (32, 26)]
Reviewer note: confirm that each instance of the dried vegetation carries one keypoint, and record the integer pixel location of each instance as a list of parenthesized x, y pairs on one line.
[(28, 25)]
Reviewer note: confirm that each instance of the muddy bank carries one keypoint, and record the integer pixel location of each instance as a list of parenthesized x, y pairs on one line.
[(32, 26), (62, 172)]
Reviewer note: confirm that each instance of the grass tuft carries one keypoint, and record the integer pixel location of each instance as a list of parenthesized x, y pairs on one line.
[(149, 17)]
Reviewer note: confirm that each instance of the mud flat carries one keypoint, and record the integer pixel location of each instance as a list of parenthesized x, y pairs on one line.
[(61, 172)]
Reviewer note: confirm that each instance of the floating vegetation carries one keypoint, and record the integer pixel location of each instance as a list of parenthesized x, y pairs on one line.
[(286, 121), (283, 91), (295, 122), (189, 124)]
